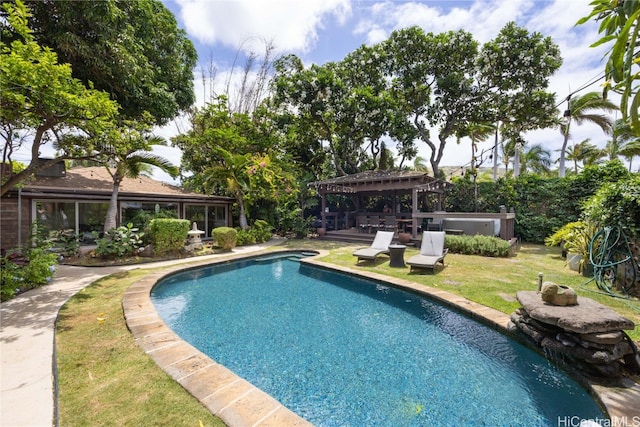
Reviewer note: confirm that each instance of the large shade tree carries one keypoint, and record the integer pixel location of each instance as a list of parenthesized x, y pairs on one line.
[(514, 69), (341, 106), (41, 97), (431, 77), (132, 50)]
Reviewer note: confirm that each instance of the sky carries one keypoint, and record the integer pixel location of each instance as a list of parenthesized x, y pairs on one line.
[(320, 31)]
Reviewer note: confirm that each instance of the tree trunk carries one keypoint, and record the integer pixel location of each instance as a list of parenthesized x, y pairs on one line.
[(35, 164), (495, 154), (112, 213), (561, 169), (243, 216)]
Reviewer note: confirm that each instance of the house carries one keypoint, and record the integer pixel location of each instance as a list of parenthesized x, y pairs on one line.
[(77, 200)]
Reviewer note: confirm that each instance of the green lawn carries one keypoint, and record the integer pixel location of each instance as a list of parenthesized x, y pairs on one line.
[(106, 379)]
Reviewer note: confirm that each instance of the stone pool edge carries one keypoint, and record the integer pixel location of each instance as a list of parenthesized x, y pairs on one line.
[(239, 403)]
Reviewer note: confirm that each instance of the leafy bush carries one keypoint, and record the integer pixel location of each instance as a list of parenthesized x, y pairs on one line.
[(168, 235), (563, 234), (478, 245), (245, 237), (261, 230), (542, 204), (120, 241), (616, 203), (67, 243), (21, 272), (225, 237), (142, 218)]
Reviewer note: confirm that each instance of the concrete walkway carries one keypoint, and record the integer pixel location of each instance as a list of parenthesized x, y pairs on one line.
[(27, 341)]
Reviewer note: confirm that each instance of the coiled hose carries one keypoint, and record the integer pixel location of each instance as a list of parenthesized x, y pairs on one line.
[(611, 257)]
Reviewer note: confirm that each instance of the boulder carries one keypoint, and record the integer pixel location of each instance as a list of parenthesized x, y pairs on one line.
[(558, 294), (587, 317)]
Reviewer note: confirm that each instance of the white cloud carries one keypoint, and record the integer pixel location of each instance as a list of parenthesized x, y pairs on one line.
[(483, 18), (292, 25)]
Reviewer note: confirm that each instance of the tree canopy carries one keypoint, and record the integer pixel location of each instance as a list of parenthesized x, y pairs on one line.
[(415, 83), (40, 95), (132, 50)]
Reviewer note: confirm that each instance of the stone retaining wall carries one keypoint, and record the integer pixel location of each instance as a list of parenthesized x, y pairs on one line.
[(589, 335)]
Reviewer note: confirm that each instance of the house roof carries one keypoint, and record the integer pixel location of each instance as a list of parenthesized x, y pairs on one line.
[(376, 181), (97, 181)]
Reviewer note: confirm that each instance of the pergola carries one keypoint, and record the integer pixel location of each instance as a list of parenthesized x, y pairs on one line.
[(380, 183)]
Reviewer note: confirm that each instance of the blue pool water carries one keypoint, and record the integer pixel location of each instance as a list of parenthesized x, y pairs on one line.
[(343, 351)]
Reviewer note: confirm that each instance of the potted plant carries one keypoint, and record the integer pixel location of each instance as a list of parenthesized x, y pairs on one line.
[(577, 241)]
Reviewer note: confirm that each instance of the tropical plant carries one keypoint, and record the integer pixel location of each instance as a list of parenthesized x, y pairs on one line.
[(118, 242), (127, 153), (584, 152), (535, 158), (623, 142), (233, 170), (620, 24), (22, 271), (576, 238), (584, 109)]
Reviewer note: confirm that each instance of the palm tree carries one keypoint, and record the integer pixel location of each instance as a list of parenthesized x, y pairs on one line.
[(508, 152), (584, 152), (537, 158), (234, 170), (420, 164), (623, 142), (132, 165), (582, 109)]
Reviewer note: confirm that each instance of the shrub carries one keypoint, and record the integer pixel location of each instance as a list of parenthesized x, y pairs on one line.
[(616, 203), (120, 241), (478, 245), (21, 272), (261, 230), (245, 237), (225, 237), (563, 234), (168, 235)]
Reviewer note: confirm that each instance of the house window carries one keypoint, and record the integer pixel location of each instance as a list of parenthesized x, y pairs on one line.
[(91, 218), (82, 218), (139, 214), (54, 216), (206, 217)]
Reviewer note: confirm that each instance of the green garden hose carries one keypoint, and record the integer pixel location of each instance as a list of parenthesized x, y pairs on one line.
[(611, 257), (609, 252)]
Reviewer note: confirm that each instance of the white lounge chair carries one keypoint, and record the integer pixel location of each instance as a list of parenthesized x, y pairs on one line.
[(432, 251), (379, 246)]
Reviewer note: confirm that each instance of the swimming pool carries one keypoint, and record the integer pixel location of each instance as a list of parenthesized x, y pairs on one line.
[(340, 350)]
